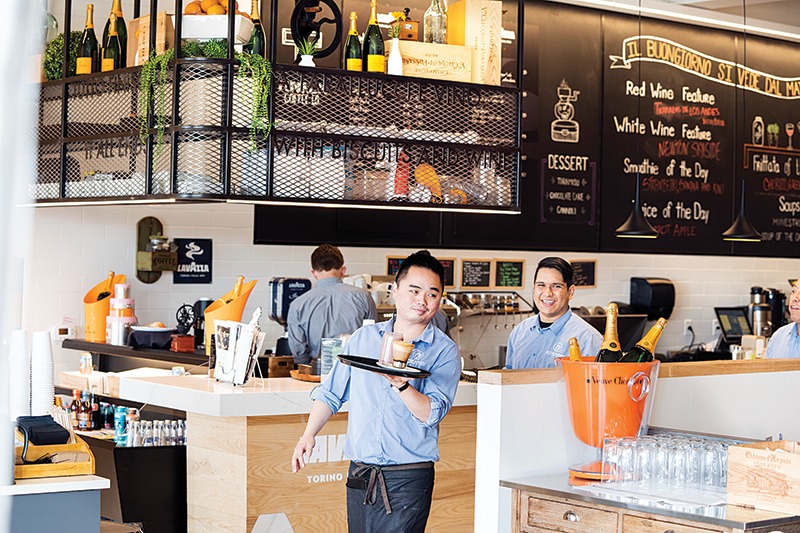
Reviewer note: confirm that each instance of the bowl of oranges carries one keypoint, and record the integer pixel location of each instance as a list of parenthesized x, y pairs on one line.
[(208, 19)]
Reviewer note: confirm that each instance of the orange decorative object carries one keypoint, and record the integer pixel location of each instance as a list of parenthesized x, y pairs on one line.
[(608, 399), (95, 312)]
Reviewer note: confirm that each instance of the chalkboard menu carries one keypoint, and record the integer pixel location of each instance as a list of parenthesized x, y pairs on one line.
[(509, 273), (584, 272), (393, 263), (668, 124), (449, 264), (476, 273), (770, 147)]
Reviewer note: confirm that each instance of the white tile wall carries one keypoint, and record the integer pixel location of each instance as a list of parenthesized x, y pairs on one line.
[(75, 247)]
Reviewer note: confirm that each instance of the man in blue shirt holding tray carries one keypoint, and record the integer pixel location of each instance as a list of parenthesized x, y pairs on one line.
[(393, 425)]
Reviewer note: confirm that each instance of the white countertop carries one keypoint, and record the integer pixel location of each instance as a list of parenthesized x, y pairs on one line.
[(259, 397), (45, 485)]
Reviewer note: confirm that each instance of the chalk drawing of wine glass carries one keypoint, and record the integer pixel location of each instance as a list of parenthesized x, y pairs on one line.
[(790, 133)]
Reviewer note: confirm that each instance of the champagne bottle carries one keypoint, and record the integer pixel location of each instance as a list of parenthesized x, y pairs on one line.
[(610, 350), (574, 350), (643, 351), (122, 32), (88, 55), (106, 292), (373, 43), (258, 40), (112, 51), (352, 47)]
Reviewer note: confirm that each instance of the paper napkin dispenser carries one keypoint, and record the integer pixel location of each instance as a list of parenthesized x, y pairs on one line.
[(654, 297)]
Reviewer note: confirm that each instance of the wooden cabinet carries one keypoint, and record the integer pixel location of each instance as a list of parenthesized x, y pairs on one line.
[(536, 513)]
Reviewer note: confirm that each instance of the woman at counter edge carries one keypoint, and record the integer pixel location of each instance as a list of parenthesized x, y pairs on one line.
[(393, 426)]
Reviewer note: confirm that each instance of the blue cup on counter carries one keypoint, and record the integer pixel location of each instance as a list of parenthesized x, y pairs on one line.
[(120, 436)]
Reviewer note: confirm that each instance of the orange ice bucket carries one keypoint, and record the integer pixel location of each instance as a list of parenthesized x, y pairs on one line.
[(608, 399)]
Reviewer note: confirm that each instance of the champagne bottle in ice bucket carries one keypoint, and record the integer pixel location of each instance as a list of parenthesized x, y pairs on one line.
[(610, 350), (644, 350)]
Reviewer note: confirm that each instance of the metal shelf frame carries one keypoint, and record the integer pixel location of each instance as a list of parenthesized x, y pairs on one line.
[(339, 138)]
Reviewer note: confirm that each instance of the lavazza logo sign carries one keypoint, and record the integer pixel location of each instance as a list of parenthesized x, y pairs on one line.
[(327, 449)]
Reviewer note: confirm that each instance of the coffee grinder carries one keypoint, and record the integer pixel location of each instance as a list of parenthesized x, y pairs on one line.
[(284, 291), (759, 312), (199, 321)]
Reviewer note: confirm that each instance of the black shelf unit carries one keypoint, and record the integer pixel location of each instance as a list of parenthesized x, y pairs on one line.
[(118, 358), (340, 138)]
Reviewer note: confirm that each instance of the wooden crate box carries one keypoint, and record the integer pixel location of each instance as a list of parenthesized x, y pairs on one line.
[(431, 60), (765, 475)]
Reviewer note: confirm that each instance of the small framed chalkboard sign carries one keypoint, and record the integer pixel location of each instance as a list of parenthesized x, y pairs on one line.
[(393, 264), (585, 270), (476, 273), (509, 273), (449, 264)]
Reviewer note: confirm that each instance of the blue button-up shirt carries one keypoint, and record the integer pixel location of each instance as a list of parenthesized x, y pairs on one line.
[(531, 346), (784, 343), (331, 308), (380, 429)]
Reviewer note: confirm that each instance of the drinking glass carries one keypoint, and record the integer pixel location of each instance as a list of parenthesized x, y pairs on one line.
[(646, 448), (790, 132), (386, 358), (626, 464), (679, 463), (661, 468), (710, 472), (610, 458)]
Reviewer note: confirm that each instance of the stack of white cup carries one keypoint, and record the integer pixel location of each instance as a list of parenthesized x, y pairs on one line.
[(42, 383), (19, 375)]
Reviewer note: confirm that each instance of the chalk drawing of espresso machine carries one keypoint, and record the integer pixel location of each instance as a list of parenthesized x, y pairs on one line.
[(564, 129)]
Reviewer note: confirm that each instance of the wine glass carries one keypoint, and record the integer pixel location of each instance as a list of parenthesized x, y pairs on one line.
[(790, 132)]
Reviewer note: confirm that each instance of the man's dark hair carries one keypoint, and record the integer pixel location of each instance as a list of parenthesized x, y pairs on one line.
[(559, 264), (422, 259), (326, 257)]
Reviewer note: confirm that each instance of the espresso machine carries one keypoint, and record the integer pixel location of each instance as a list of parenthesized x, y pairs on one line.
[(759, 312), (776, 300), (284, 291)]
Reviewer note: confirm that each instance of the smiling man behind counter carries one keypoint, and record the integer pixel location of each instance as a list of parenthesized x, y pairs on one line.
[(538, 341)]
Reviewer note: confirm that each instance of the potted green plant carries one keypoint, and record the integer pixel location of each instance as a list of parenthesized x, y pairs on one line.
[(307, 48), (54, 56)]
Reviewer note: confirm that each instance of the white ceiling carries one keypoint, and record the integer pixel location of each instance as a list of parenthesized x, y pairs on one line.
[(786, 12)]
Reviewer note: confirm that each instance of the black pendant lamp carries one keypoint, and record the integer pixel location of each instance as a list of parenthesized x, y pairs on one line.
[(741, 230), (637, 226)]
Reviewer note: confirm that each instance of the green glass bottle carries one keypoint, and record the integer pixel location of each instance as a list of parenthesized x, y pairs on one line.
[(644, 350), (88, 54), (352, 47), (122, 32), (258, 40), (610, 350), (375, 60), (112, 51)]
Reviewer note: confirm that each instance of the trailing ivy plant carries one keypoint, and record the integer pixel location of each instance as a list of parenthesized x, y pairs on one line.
[(154, 73), (259, 70)]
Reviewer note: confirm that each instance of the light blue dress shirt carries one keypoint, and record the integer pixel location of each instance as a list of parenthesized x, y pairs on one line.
[(784, 343), (331, 308), (381, 429), (530, 346)]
